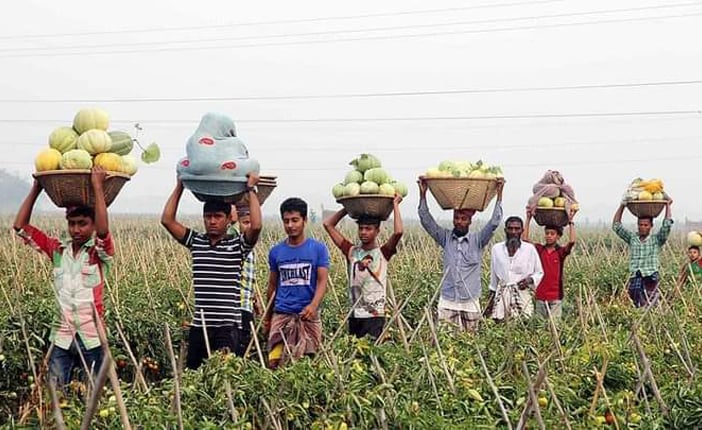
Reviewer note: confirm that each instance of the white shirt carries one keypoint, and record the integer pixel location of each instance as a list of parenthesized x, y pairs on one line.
[(510, 270)]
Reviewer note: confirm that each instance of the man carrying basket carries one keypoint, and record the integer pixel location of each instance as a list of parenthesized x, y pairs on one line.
[(643, 254), (462, 258)]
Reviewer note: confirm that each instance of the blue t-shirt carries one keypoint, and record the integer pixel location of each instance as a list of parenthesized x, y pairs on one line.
[(297, 273)]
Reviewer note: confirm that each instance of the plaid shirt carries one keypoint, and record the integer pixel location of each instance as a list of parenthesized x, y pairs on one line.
[(248, 276), (78, 283), (644, 253)]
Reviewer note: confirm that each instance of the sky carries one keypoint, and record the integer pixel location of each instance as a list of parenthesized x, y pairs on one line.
[(601, 91)]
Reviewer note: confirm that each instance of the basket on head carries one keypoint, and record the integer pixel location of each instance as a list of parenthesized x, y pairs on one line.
[(646, 208), (73, 188), (206, 188), (462, 193), (557, 217), (265, 187), (373, 206)]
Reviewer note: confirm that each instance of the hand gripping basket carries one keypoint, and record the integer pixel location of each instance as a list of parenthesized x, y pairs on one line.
[(462, 193), (374, 205), (557, 217), (265, 187), (73, 188), (646, 208)]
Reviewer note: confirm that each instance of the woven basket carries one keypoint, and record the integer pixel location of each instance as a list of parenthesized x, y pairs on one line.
[(462, 193), (264, 190), (375, 206), (557, 217), (646, 208), (73, 188), (206, 188)]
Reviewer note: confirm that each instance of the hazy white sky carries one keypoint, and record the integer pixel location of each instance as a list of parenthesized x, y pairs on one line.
[(219, 49)]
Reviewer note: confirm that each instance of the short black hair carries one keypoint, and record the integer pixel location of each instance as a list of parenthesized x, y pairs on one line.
[(243, 210), (368, 220), (214, 206), (693, 247), (294, 204), (650, 218), (85, 211), (514, 218), (556, 228)]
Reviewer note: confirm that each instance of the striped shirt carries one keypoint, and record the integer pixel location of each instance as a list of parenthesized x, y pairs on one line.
[(217, 277)]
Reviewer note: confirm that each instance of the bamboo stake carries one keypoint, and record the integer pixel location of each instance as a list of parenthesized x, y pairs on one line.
[(176, 377)]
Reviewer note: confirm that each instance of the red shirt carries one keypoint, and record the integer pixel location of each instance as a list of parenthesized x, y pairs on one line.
[(551, 286)]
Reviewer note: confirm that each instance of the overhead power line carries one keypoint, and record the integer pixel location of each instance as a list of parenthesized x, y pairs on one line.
[(687, 112), (356, 39), (367, 94), (281, 21), (349, 31)]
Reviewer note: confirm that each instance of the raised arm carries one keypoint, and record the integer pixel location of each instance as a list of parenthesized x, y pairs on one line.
[(623, 233), (168, 217), (571, 233), (527, 224), (397, 228), (254, 229), (489, 229), (97, 179), (428, 222), (664, 231), (24, 214), (334, 233)]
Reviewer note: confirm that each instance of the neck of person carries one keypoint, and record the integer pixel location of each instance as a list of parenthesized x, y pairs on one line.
[(369, 246), (214, 239), (296, 241)]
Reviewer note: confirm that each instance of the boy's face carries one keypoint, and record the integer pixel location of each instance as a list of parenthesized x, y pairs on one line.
[(294, 224), (244, 223), (80, 228), (216, 223), (644, 226), (693, 254), (367, 233), (551, 236)]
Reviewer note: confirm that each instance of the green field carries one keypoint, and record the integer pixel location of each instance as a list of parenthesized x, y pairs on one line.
[(423, 377)]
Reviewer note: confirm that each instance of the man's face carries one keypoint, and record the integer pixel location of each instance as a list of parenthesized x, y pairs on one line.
[(645, 226), (693, 254), (294, 224), (551, 236), (216, 223), (80, 228), (461, 221), (513, 229), (244, 223), (367, 233)]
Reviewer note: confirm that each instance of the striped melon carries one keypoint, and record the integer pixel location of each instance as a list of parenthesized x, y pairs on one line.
[(122, 142)]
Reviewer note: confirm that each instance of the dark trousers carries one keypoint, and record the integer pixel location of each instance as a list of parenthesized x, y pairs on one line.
[(63, 361), (219, 338), (242, 335), (372, 327)]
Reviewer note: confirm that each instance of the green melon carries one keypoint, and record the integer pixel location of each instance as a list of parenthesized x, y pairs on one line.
[(122, 142)]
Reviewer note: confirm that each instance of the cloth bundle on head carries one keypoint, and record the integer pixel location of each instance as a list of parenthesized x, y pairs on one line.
[(551, 185), (214, 150)]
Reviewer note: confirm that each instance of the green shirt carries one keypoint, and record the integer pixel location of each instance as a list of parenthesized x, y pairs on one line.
[(643, 255)]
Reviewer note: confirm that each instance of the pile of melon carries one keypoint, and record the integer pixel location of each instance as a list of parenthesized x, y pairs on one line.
[(367, 178), (88, 143)]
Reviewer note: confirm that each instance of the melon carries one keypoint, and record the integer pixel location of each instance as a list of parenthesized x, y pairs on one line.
[(63, 139), (88, 119), (76, 159), (95, 141), (47, 159), (122, 142), (109, 161), (545, 202), (129, 165)]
